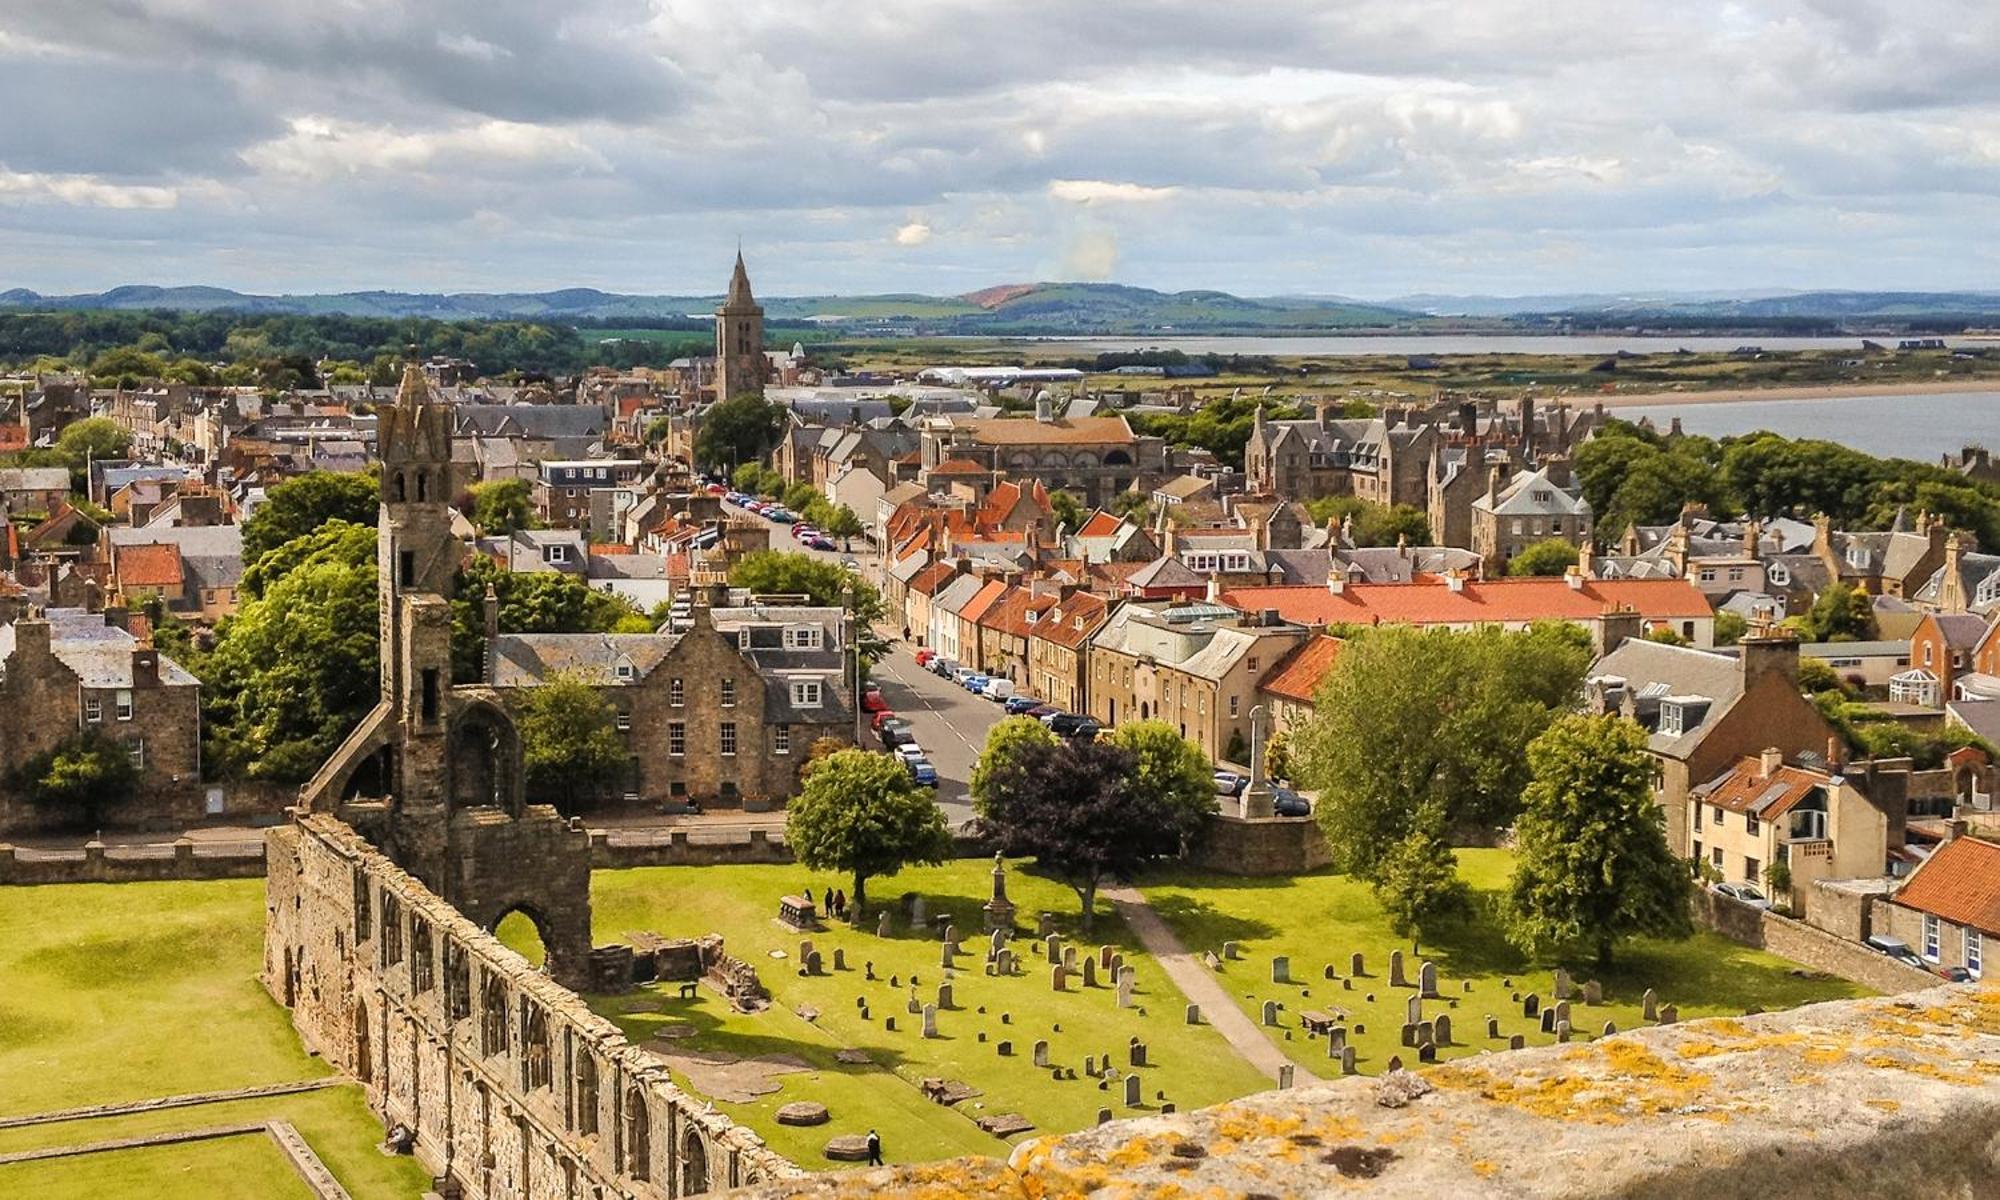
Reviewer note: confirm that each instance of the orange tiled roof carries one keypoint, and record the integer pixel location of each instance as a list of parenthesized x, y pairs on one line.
[(1297, 676), (1020, 431), (930, 579), (1747, 789), (959, 466), (982, 600), (1500, 601), (1070, 623), (612, 548), (151, 565), (1960, 883), (1100, 524)]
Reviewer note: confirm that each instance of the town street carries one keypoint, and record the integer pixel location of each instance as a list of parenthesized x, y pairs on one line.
[(950, 723)]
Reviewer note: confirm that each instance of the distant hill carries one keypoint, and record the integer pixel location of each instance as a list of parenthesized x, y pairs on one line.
[(1887, 306)]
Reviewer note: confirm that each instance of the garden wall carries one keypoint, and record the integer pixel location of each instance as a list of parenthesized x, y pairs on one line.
[(1807, 946), (97, 863)]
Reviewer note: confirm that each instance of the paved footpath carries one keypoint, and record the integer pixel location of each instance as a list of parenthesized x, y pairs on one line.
[(1194, 979)]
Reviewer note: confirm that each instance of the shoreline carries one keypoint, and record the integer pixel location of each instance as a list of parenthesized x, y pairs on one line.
[(1833, 391)]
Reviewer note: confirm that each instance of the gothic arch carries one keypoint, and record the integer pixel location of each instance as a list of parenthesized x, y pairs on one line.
[(401, 490), (694, 1163), (485, 750), (638, 1135), (364, 1059)]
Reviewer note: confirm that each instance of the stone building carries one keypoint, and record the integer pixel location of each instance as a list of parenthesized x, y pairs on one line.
[(1093, 458), (1059, 651), (1194, 666), (65, 672), (1950, 905), (1810, 817), (740, 364), (1383, 460), (1541, 505)]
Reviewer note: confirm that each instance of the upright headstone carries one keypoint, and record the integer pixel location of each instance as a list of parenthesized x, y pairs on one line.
[(1058, 978), (1069, 958), (1336, 1037), (1125, 982), (1232, 951), (1427, 1052), (1135, 1053), (1194, 1014), (1516, 1042), (1649, 1005), (1117, 965), (1562, 984), (1493, 1028), (1270, 1012), (1090, 972), (1042, 1053), (1416, 1009), (1103, 1116), (1562, 1031), (1104, 955), (1562, 1010), (1347, 1060), (1286, 1074), (1593, 992), (1134, 1091), (1045, 924), (996, 943), (1548, 1020), (946, 951), (1610, 1027), (949, 935), (805, 950), (889, 1023), (1441, 1029), (1427, 979), (919, 913), (1052, 948), (1356, 965), (814, 964), (998, 910), (1003, 963), (882, 923), (1669, 1013), (1281, 969), (1396, 969), (944, 997), (1005, 1049), (868, 969), (1531, 1005), (930, 1020), (839, 959)]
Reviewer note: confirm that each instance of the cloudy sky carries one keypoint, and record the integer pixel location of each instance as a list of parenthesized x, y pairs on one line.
[(1361, 147)]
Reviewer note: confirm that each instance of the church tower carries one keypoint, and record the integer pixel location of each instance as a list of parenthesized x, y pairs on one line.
[(739, 340)]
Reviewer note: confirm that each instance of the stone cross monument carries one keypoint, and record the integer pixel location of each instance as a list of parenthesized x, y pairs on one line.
[(999, 910), (1257, 801)]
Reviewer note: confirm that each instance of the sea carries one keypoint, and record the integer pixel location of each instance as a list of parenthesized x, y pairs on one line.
[(1333, 346)]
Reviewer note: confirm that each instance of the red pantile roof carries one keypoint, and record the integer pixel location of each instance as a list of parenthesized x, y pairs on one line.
[(1297, 676), (1068, 624), (959, 466), (1500, 601), (982, 600), (155, 564), (1746, 789), (1100, 524), (1960, 883), (930, 579)]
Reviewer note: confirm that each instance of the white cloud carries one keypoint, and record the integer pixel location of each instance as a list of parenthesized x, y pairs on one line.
[(916, 233), (84, 191), (319, 146), (1098, 191)]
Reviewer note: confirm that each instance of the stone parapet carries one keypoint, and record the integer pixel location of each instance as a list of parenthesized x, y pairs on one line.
[(1884, 1098)]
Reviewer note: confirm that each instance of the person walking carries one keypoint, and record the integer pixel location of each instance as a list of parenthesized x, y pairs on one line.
[(874, 1149)]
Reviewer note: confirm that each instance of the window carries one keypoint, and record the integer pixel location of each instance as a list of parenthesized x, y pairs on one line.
[(1779, 574), (1974, 948), (1750, 869), (431, 695), (1697, 821), (729, 738), (623, 721), (806, 693), (556, 553), (1736, 574), (1251, 662), (781, 739), (624, 670), (1697, 852), (138, 752), (1232, 706), (677, 738), (124, 705), (1717, 814), (803, 637), (406, 567), (1931, 936), (1715, 857), (676, 692), (93, 709), (1750, 823), (1708, 574), (729, 693)]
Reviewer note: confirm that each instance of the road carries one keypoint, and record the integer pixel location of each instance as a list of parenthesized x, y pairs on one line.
[(950, 723)]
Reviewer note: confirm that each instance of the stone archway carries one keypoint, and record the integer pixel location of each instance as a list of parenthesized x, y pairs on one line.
[(694, 1163), (485, 757), (364, 1059)]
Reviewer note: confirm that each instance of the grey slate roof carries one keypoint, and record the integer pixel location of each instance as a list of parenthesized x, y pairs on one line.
[(526, 659), (99, 654), (1653, 671), (212, 555)]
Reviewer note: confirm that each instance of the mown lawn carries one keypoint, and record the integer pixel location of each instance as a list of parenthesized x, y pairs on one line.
[(1192, 1065), (1323, 918), (118, 992)]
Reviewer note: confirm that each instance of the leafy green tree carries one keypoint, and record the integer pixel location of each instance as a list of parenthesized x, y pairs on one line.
[(1667, 637), (301, 505), (1418, 884), (1373, 524), (1552, 556), (1133, 505), (1067, 510), (865, 815), (1593, 865), (1816, 676), (1171, 770), (799, 496), (757, 479), (1841, 614), (1408, 718), (94, 437), (1730, 627), (502, 506), (570, 746), (789, 572), (337, 541), (79, 778), (843, 524), (1002, 751), (738, 430), (1084, 813), (530, 602), (126, 367)]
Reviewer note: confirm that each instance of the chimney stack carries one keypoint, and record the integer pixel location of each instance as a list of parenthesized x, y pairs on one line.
[(1769, 761)]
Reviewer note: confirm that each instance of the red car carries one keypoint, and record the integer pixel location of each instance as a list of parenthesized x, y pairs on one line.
[(872, 701), (924, 657), (881, 715)]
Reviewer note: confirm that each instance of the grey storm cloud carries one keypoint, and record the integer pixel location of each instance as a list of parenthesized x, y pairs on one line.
[(1365, 146)]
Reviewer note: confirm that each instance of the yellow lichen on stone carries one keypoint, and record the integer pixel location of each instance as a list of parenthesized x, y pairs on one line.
[(1884, 1105)]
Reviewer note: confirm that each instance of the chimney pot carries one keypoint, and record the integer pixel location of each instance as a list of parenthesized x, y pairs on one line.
[(1769, 762)]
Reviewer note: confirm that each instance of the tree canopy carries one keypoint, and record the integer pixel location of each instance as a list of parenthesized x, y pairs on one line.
[(1410, 718), (503, 506), (530, 602), (1593, 866), (737, 430), (1373, 524), (1840, 614), (865, 815), (1418, 883), (570, 746), (827, 583), (79, 778), (1552, 556), (94, 437), (301, 505)]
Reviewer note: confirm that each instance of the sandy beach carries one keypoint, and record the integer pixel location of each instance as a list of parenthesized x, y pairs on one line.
[(1828, 392)]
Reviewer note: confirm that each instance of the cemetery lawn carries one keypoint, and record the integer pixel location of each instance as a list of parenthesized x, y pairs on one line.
[(1194, 1066), (1323, 918), (123, 992)]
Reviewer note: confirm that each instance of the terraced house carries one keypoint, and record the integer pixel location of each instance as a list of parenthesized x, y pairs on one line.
[(1059, 650), (1195, 666)]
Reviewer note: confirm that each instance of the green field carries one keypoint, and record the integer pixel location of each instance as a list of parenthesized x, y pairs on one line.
[(1193, 1066), (128, 991), (1323, 918)]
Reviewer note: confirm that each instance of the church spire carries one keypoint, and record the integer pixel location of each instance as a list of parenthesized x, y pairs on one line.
[(739, 286), (414, 389)]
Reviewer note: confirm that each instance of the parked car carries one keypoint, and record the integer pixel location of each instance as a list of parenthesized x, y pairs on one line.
[(975, 682), (1086, 730), (850, 564), (997, 689), (894, 731), (1288, 803), (909, 750), (925, 655), (922, 771), (1064, 724), (872, 701), (960, 674), (882, 718), (942, 666), (821, 542), (1743, 893), (1230, 783), (1018, 704), (1953, 974), (1042, 712), (1895, 948)]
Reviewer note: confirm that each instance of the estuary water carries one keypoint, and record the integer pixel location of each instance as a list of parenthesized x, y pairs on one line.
[(1920, 427)]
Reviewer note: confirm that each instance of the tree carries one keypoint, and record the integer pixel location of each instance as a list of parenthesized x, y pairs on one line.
[(337, 541), (83, 775), (1067, 510), (1730, 627), (1006, 744), (1372, 524), (1551, 556), (503, 506), (1418, 884), (1088, 811), (1841, 614), (1667, 636), (740, 429), (1593, 863), (1171, 771), (94, 438), (301, 505), (800, 495), (1409, 717), (844, 524), (864, 814), (530, 602), (570, 746), (827, 583), (756, 478)]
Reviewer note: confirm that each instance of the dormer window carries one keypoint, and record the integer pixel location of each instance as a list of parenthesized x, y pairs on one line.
[(624, 669), (1857, 556), (1780, 574), (803, 637), (555, 552)]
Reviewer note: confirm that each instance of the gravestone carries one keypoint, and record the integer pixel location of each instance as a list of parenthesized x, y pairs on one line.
[(996, 943), (1134, 1091), (1327, 972), (1562, 984), (1006, 1018), (1649, 1005), (805, 949), (1286, 1073), (1427, 980), (1562, 1010), (1281, 969), (1103, 1116), (1090, 1065), (1416, 1009), (1194, 1014), (869, 968), (889, 1023), (1090, 972), (1117, 965), (1610, 1028), (1003, 962), (864, 1012), (930, 1020), (1270, 1012), (1593, 992), (1493, 1027), (1531, 1005), (1209, 960), (1355, 965), (882, 923), (1041, 1054), (1409, 1033), (1104, 956), (1052, 948), (1516, 1042), (839, 959), (1562, 1031), (1069, 957), (1441, 1030), (1548, 1020), (1125, 982), (1135, 1053), (813, 964), (1396, 976), (944, 997), (1426, 1033), (913, 1006), (1669, 1013), (1336, 1037), (945, 953), (1347, 1060), (1058, 978), (1045, 924), (950, 937), (919, 913), (1427, 1052), (1005, 1049), (1395, 1062), (982, 1037), (1232, 951)]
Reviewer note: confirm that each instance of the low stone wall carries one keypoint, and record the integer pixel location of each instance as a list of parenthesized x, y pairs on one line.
[(1262, 846), (1807, 946), (694, 848), (1888, 1098), (97, 863)]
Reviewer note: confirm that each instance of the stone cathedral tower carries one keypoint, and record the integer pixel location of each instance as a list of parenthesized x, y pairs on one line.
[(739, 340), (433, 776)]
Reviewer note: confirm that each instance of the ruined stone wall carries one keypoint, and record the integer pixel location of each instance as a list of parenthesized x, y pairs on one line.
[(97, 863), (1889, 1098), (512, 1087)]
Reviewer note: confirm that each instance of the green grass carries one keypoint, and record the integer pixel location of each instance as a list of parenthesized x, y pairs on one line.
[(1324, 918), (119, 992), (245, 1167), (1194, 1066)]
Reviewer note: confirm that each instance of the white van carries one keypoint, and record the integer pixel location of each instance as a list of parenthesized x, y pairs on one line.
[(997, 690)]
